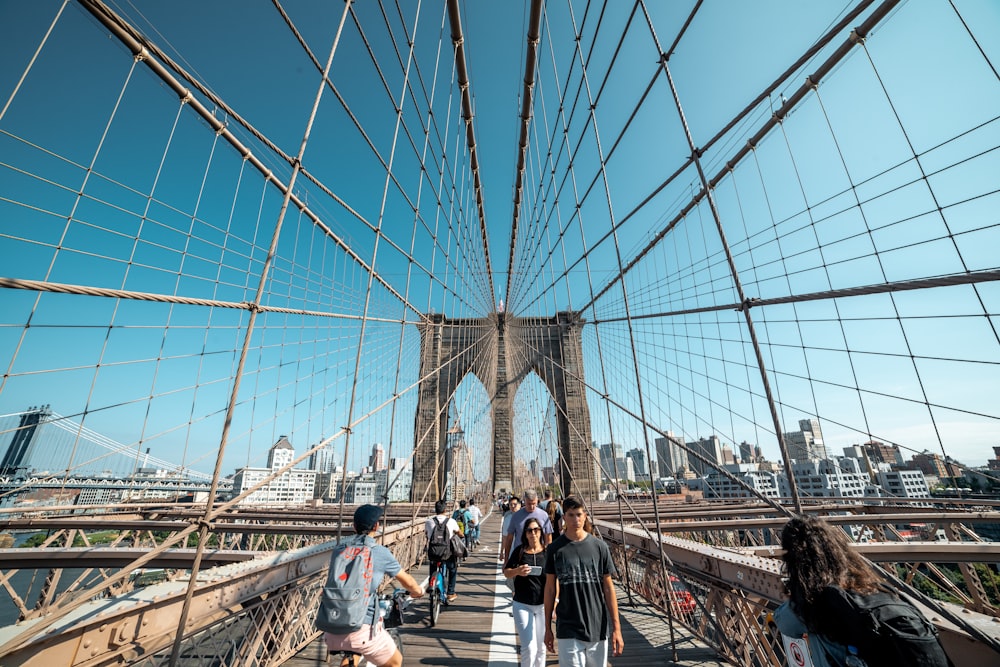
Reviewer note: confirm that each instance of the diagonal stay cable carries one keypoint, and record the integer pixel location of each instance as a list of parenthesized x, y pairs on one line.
[(530, 63), (856, 37), (463, 81), (134, 43)]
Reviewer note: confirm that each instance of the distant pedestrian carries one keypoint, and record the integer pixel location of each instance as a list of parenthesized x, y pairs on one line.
[(477, 518), (512, 535), (509, 509), (587, 615), (525, 567), (554, 509), (463, 517)]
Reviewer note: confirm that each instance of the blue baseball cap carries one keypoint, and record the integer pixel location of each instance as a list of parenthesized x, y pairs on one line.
[(366, 516)]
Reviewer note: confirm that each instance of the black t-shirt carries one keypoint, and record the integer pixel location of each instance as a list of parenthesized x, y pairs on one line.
[(529, 589), (580, 567)]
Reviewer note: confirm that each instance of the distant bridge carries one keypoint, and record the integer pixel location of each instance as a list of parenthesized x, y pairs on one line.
[(132, 487)]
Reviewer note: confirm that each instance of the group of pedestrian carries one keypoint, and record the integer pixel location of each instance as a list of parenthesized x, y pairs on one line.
[(560, 572)]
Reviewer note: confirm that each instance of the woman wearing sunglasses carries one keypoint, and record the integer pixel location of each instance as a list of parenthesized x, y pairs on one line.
[(525, 567)]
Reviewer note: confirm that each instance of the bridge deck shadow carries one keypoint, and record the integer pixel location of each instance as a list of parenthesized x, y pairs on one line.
[(465, 630)]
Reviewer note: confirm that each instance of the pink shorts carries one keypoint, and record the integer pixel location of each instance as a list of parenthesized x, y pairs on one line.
[(377, 649)]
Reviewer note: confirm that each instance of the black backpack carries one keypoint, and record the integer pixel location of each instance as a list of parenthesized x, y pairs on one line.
[(438, 545), (886, 629)]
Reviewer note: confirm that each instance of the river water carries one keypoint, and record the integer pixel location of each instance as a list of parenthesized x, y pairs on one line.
[(28, 584)]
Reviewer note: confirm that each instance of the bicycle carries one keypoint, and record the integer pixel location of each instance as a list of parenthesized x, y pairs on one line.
[(391, 607), (472, 537), (437, 590)]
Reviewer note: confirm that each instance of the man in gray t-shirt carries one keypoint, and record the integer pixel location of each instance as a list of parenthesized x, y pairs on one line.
[(588, 608), (371, 640), (512, 533)]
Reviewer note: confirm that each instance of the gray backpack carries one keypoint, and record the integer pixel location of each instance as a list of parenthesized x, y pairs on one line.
[(347, 595)]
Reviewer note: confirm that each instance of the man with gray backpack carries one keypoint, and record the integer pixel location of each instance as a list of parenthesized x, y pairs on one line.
[(348, 608)]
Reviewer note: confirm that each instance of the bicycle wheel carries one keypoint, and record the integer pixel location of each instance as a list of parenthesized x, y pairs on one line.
[(344, 659), (435, 604)]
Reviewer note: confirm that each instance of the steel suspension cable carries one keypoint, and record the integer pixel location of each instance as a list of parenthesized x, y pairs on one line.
[(144, 51), (737, 283), (793, 100), (530, 64), (375, 251), (944, 221), (264, 275), (643, 421)]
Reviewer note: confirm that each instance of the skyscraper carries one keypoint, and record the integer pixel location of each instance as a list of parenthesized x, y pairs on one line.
[(322, 460), (670, 455), (377, 460), (806, 444), (711, 449), (613, 461), (638, 457)]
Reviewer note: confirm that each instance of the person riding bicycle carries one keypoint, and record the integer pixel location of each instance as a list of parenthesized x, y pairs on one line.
[(451, 527), (465, 524), (375, 644)]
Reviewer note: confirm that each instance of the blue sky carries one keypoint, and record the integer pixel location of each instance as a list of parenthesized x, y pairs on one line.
[(887, 172)]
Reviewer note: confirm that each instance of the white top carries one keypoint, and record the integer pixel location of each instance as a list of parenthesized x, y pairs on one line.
[(451, 523)]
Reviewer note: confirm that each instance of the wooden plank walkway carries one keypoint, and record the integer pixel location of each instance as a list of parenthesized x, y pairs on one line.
[(477, 629)]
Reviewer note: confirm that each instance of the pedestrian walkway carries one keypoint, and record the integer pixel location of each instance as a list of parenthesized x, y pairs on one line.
[(477, 629)]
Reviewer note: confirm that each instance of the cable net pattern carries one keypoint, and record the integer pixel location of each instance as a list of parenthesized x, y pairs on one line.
[(209, 246)]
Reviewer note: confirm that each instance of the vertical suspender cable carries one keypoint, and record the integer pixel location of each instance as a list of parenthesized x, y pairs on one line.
[(234, 396), (737, 283), (371, 276)]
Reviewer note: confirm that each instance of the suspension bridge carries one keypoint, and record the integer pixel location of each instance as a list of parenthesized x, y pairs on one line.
[(576, 229)]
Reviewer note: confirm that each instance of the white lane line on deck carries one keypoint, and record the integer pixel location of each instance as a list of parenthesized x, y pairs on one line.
[(503, 640)]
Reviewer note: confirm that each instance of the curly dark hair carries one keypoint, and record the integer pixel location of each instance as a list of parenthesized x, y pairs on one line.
[(818, 555)]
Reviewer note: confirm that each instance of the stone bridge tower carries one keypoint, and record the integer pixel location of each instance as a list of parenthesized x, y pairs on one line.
[(501, 351)]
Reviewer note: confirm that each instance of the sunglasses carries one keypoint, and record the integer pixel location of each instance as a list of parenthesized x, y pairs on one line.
[(533, 530)]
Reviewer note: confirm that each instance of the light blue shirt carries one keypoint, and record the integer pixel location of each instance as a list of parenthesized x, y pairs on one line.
[(824, 653), (516, 525)]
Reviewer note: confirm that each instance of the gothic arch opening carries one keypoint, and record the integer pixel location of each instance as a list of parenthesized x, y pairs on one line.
[(468, 456), (535, 433), (501, 351)]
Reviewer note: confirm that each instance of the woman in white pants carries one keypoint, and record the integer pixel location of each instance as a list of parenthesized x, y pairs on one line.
[(525, 566)]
